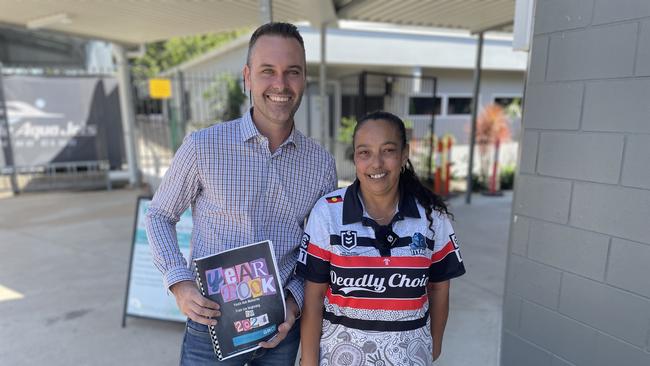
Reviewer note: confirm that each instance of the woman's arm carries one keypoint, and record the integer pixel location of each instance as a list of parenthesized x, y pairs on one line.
[(311, 323), (438, 293)]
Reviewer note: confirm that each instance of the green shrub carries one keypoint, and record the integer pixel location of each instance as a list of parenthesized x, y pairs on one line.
[(507, 177), (478, 184)]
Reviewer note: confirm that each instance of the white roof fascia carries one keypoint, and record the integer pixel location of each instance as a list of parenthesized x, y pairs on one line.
[(413, 48), (392, 46)]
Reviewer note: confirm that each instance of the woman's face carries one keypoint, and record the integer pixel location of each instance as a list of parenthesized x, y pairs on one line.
[(378, 157)]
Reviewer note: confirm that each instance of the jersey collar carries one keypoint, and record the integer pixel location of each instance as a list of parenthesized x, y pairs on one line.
[(353, 209)]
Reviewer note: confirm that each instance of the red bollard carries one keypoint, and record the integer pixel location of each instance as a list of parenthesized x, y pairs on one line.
[(448, 146), (493, 189)]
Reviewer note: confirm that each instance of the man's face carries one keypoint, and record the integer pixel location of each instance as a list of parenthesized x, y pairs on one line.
[(276, 79)]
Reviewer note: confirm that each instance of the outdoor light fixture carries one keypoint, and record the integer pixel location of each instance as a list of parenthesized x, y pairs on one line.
[(42, 22)]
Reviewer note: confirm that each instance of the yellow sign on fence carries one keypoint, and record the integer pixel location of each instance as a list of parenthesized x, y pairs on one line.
[(160, 88)]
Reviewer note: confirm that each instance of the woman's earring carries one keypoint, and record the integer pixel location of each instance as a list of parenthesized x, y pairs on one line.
[(403, 169)]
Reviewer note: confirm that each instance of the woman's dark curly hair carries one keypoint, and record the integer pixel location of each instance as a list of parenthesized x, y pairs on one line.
[(408, 180)]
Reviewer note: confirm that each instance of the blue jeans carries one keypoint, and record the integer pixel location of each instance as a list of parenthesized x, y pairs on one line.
[(197, 350)]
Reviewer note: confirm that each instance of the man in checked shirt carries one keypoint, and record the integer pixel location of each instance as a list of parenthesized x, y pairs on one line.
[(252, 179)]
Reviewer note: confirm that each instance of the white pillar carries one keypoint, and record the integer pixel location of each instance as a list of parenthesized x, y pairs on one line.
[(127, 113)]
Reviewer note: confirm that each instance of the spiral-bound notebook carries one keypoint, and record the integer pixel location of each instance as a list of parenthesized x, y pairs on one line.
[(246, 283)]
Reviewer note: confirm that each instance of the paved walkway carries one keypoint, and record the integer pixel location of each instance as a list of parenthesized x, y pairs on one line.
[(63, 267)]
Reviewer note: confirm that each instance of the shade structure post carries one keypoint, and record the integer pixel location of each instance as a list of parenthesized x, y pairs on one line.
[(266, 11), (472, 133)]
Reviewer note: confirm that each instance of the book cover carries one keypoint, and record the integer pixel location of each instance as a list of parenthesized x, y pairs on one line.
[(246, 283)]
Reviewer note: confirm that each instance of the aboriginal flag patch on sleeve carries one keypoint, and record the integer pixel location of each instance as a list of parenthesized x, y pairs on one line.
[(334, 199)]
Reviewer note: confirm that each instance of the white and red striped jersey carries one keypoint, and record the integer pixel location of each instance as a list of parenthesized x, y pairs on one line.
[(376, 305)]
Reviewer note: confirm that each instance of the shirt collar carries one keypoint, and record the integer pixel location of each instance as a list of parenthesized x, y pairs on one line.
[(247, 127), (353, 209), (248, 130)]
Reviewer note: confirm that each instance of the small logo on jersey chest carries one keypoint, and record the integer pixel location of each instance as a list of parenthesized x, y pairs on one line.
[(334, 199), (418, 244), (349, 239)]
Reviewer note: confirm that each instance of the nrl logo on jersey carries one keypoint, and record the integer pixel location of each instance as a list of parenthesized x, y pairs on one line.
[(349, 239)]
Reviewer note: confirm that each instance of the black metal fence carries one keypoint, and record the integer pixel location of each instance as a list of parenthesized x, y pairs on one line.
[(198, 100)]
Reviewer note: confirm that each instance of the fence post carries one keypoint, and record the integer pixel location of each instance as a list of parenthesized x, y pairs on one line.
[(184, 107), (173, 125)]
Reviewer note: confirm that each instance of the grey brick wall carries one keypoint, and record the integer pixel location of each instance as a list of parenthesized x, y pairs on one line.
[(578, 280)]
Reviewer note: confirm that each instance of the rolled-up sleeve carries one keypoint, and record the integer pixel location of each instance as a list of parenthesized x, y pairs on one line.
[(178, 190), (296, 287)]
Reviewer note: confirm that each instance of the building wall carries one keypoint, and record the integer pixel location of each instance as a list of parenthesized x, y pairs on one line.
[(578, 280), (451, 83)]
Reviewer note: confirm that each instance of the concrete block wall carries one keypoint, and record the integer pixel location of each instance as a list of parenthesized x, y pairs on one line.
[(578, 277)]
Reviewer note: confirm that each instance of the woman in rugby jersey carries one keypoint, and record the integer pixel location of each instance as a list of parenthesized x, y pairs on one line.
[(377, 258)]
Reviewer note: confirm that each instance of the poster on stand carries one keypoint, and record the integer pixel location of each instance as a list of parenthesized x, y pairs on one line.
[(146, 295)]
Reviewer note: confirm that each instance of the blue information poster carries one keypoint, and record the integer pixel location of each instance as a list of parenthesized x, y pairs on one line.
[(147, 295)]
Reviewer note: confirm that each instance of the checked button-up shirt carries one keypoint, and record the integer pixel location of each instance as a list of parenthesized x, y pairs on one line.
[(240, 193)]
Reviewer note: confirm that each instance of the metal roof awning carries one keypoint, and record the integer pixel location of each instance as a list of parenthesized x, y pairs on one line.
[(472, 15), (136, 22)]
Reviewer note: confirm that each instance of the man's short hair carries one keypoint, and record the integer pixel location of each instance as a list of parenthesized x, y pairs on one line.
[(286, 30)]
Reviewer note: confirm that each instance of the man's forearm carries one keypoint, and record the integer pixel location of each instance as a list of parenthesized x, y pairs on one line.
[(166, 254), (178, 189)]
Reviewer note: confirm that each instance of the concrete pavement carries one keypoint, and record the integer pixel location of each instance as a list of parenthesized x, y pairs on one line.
[(63, 268)]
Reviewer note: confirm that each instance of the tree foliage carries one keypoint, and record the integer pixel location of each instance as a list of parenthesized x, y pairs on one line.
[(160, 56), (492, 125), (225, 98)]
